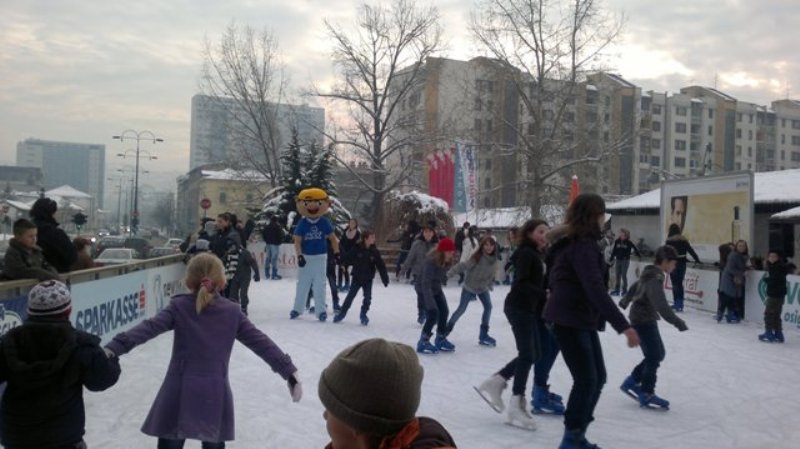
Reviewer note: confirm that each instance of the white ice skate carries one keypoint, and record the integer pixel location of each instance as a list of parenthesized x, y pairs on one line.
[(518, 415), (491, 390)]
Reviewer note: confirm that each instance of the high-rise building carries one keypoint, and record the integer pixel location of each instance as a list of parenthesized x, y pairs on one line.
[(80, 165), (219, 129)]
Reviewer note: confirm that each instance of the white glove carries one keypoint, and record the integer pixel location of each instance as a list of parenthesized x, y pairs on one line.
[(295, 387), (109, 353)]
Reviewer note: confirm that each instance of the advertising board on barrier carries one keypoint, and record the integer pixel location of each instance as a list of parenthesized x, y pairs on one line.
[(287, 259), (13, 312)]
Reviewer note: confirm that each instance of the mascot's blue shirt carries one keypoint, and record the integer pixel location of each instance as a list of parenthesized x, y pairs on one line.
[(313, 235)]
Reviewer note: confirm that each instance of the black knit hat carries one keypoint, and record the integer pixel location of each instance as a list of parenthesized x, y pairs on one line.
[(373, 386)]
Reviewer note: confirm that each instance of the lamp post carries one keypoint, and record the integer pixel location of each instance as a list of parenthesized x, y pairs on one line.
[(119, 180), (138, 136)]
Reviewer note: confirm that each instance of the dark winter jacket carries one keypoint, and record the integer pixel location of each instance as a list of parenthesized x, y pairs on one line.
[(22, 263), (223, 241), (421, 433), (647, 300), (272, 233), (461, 234), (247, 266), (416, 256), (346, 243), (46, 363), (775, 278), (578, 296), (57, 248), (732, 280), (683, 247), (433, 277), (528, 291), (622, 250), (365, 261)]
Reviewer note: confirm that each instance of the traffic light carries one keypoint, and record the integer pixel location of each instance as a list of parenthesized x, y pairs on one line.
[(79, 219)]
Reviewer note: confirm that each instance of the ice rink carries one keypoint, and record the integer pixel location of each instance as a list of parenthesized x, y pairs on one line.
[(727, 389)]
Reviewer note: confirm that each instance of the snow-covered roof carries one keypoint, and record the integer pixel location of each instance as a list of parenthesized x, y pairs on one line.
[(500, 218), (769, 188), (697, 100), (591, 87), (230, 174), (67, 191), (19, 205), (427, 203), (791, 214)]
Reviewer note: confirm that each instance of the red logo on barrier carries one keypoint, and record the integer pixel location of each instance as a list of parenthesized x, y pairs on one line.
[(691, 284)]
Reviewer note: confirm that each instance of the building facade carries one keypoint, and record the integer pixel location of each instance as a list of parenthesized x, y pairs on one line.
[(219, 127), (80, 165)]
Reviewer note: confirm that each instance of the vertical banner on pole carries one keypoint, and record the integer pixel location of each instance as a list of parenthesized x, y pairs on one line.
[(448, 182), (459, 191), (471, 185)]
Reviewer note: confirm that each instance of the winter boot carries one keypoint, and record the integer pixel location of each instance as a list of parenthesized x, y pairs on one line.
[(518, 415), (542, 403), (323, 317), (484, 338), (768, 336), (631, 387), (573, 439), (424, 345), (294, 314), (443, 345), (491, 390), (652, 401), (778, 336), (338, 317), (311, 310), (364, 319)]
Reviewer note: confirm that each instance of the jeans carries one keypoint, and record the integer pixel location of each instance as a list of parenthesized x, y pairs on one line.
[(420, 297), (545, 362), (164, 443), (621, 274), (312, 276), (584, 358), (271, 260), (772, 314), (676, 277), (466, 297), (653, 351), (436, 314), (354, 287), (525, 326)]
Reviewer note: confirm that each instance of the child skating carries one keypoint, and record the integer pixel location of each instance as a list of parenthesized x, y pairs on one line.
[(195, 399), (647, 302), (365, 260), (434, 272), (777, 269)]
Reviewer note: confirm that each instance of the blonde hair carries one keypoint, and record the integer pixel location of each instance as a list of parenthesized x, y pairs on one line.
[(204, 266)]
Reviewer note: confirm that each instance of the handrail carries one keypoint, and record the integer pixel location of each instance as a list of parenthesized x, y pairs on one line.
[(11, 289)]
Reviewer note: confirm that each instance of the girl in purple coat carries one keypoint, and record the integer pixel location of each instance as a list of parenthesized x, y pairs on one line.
[(195, 400)]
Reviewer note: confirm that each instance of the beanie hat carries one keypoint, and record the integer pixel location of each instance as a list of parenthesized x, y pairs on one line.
[(373, 386), (49, 298), (445, 245)]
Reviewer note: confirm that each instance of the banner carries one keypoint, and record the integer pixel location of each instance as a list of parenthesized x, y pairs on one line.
[(459, 193), (441, 169), (466, 178), (287, 259)]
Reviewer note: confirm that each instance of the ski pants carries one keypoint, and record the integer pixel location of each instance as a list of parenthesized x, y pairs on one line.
[(466, 297), (525, 327), (654, 353), (584, 357), (772, 314), (312, 276)]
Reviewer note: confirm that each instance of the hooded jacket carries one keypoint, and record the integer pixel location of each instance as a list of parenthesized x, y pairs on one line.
[(647, 300), (23, 263), (46, 363)]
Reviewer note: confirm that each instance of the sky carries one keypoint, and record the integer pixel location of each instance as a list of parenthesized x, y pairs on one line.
[(84, 70)]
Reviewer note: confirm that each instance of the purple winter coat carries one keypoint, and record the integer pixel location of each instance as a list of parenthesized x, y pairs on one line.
[(578, 296), (195, 400)]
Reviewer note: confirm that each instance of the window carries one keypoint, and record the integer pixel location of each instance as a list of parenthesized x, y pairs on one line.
[(477, 125), (783, 155), (487, 183), (484, 86), (680, 128), (738, 166), (710, 113), (489, 125), (656, 109), (750, 118), (680, 162), (783, 123), (655, 144), (749, 151), (738, 150), (657, 126), (487, 203), (738, 133), (680, 111), (749, 134), (644, 142), (591, 117), (643, 158), (680, 145), (795, 124), (489, 105), (222, 198), (478, 106), (694, 146), (783, 138), (487, 164), (569, 117), (796, 140), (795, 156), (531, 129), (605, 136), (749, 166), (695, 129), (710, 130), (692, 163), (655, 161), (606, 118), (739, 117)]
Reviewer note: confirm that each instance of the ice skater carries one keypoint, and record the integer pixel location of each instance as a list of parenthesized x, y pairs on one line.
[(775, 278), (413, 265), (621, 259), (732, 284), (648, 302), (676, 240), (366, 260), (434, 273), (480, 268), (195, 399)]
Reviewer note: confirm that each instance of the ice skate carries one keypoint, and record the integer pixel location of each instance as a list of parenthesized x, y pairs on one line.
[(364, 319), (484, 339), (444, 345), (778, 336), (650, 400), (294, 314), (631, 388), (518, 416), (543, 404), (424, 346), (767, 337), (323, 317), (491, 390)]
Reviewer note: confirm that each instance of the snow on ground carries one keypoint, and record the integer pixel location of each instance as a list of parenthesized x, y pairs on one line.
[(728, 390)]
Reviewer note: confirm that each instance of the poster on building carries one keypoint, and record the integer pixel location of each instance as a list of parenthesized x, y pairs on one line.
[(465, 178), (709, 210)]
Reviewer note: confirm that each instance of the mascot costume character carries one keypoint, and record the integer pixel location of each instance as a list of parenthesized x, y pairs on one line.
[(310, 244)]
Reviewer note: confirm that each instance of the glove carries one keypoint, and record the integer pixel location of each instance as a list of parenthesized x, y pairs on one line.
[(109, 353), (257, 278), (682, 326), (301, 261), (295, 387)]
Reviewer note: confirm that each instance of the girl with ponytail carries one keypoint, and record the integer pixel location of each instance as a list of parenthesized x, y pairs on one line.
[(195, 399)]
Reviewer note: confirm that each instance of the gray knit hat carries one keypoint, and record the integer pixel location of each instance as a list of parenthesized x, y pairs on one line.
[(373, 386), (49, 298)]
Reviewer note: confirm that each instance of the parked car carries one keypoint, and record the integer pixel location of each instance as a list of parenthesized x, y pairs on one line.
[(141, 245), (163, 251), (174, 243), (109, 242), (116, 256)]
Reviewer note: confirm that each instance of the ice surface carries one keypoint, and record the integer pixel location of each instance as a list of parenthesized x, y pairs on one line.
[(727, 390)]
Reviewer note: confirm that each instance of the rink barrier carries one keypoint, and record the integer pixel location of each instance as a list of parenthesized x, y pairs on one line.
[(700, 291), (287, 259), (105, 300)]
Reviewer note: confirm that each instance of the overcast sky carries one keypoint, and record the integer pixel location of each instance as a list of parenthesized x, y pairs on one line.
[(84, 70)]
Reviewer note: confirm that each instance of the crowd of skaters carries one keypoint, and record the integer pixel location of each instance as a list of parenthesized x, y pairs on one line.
[(557, 303)]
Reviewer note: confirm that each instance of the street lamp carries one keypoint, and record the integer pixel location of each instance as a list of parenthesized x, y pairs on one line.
[(139, 136), (119, 180)]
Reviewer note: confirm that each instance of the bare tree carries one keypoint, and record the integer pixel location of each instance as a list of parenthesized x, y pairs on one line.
[(548, 47), (380, 62), (243, 75)]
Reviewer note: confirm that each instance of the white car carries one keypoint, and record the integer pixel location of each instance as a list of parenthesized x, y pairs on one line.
[(174, 243), (116, 256)]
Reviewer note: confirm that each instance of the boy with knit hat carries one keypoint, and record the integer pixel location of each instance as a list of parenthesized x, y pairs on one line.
[(46, 363), (371, 392)]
